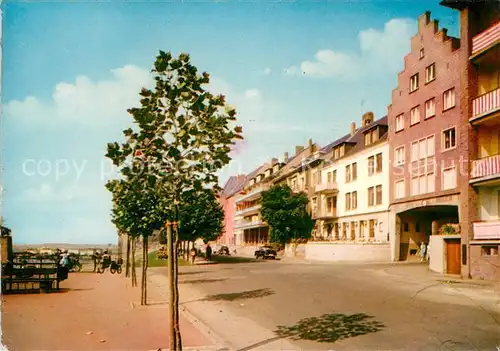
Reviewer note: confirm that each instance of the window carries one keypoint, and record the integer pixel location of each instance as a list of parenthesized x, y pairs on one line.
[(379, 162), (422, 149), (348, 201), (378, 195), (430, 108), (354, 171), (489, 250), (417, 227), (400, 122), (449, 139), (414, 82), (399, 155), (334, 176), (371, 196), (399, 191), (423, 184), (329, 177), (354, 200), (449, 99), (430, 73), (368, 139), (422, 53), (353, 230), (415, 115), (347, 173), (372, 229), (450, 178), (406, 227), (344, 230), (337, 153), (371, 165)]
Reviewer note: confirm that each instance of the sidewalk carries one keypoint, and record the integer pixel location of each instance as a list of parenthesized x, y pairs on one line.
[(93, 312)]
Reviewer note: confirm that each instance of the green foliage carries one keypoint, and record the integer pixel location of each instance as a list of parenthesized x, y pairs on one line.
[(286, 214), (136, 211), (184, 132), (201, 216)]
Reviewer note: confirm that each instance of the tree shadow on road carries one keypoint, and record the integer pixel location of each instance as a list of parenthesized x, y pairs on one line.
[(251, 294), (201, 281), (330, 327)]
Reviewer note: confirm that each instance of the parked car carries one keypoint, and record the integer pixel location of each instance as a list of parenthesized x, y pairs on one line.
[(265, 252), (223, 251)]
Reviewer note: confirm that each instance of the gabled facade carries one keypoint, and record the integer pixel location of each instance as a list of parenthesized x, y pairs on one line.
[(427, 138)]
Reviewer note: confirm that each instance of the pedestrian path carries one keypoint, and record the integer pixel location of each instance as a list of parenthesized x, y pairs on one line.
[(93, 312)]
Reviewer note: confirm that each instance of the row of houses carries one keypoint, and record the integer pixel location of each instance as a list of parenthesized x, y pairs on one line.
[(427, 172)]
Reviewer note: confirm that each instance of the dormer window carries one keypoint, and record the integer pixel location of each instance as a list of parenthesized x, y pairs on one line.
[(371, 136)]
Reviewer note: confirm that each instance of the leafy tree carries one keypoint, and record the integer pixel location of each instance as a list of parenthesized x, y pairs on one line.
[(286, 214), (136, 212), (201, 216), (182, 137)]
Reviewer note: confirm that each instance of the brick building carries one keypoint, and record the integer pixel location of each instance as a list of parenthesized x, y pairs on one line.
[(426, 138), (480, 109)]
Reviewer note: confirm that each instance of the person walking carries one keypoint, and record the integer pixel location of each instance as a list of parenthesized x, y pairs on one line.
[(423, 252), (209, 252)]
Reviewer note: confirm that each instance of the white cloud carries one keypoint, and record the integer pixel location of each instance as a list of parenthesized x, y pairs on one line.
[(85, 102), (267, 71), (379, 51)]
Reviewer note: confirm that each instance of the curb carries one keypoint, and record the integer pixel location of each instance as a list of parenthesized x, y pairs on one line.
[(219, 344)]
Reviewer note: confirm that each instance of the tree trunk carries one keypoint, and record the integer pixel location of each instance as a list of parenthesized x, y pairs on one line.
[(178, 338), (134, 275), (144, 282), (171, 288), (127, 264)]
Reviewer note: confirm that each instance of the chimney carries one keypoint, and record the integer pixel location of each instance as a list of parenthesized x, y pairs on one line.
[(310, 145), (274, 161), (353, 128), (367, 119), (285, 158), (298, 150)]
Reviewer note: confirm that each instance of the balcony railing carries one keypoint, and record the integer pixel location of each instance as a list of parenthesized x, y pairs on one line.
[(486, 167), (325, 214), (248, 210), (326, 187), (486, 39), (486, 103), (252, 192), (242, 223), (487, 230)]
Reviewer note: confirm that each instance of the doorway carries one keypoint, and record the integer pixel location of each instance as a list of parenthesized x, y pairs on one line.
[(453, 256)]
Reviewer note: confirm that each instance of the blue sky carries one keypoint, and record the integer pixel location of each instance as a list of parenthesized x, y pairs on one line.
[(293, 70)]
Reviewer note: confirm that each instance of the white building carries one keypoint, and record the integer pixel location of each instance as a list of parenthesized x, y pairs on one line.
[(351, 202)]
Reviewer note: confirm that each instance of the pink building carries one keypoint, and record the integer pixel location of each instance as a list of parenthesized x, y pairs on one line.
[(226, 200)]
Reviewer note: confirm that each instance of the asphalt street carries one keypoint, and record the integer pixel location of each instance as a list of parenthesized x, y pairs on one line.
[(278, 305)]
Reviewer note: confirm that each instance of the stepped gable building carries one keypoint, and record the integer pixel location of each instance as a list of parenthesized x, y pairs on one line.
[(428, 162)]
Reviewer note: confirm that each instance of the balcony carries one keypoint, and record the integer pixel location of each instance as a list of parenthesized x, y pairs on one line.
[(248, 211), (488, 230), (325, 214), (485, 105), (486, 169), (327, 187), (485, 40), (298, 188), (246, 224), (252, 193)]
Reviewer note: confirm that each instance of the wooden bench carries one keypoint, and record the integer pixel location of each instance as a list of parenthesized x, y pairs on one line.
[(25, 274)]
